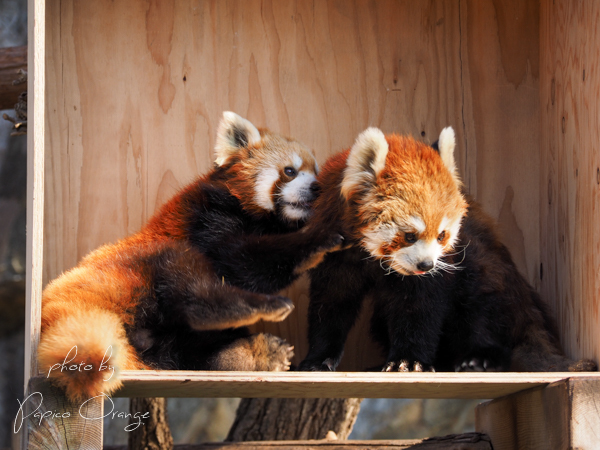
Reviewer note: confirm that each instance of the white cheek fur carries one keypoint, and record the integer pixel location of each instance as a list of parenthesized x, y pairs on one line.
[(375, 238), (263, 188), (294, 213)]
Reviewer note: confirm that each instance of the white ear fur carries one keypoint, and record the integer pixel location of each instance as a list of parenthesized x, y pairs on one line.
[(366, 160), (234, 133), (446, 145)]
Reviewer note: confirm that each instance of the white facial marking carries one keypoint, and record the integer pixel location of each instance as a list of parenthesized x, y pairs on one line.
[(296, 190), (443, 224), (294, 213), (297, 161), (453, 228), (407, 258), (417, 223), (263, 187), (296, 194), (376, 237)]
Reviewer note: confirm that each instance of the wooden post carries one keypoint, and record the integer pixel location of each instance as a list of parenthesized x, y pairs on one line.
[(563, 415), (51, 422)]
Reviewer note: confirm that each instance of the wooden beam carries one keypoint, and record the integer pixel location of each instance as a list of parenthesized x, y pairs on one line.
[(563, 415), (467, 441), (331, 385), (36, 85), (12, 59)]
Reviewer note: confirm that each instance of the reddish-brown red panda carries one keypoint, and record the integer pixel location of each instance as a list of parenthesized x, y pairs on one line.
[(446, 294), (179, 293)]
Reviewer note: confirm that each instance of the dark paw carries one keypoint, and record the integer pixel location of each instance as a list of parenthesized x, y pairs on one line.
[(404, 365), (317, 366), (334, 243), (278, 355), (276, 308), (476, 365)]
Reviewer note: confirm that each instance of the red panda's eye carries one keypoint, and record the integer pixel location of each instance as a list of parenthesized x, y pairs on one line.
[(441, 236), (410, 238), (290, 172)]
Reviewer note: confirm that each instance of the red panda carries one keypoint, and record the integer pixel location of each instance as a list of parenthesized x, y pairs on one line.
[(179, 293), (446, 294)]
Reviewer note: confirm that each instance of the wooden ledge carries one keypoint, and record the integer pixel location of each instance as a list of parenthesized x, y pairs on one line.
[(149, 383), (467, 441)]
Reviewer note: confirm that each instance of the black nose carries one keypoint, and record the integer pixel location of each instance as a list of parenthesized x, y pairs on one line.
[(315, 188), (425, 266)]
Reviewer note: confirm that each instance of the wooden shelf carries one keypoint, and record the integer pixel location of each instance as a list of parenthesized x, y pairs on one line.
[(332, 385)]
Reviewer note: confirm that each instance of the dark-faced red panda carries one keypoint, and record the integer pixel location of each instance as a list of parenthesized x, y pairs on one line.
[(445, 297), (179, 293)]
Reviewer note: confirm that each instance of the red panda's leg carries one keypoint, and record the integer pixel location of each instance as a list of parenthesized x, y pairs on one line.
[(189, 291), (270, 263), (338, 287), (228, 307)]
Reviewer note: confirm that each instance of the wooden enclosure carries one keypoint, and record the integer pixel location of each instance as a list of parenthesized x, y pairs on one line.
[(127, 96)]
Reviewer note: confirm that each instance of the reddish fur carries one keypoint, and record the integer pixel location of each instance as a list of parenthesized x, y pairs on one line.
[(105, 289), (413, 171)]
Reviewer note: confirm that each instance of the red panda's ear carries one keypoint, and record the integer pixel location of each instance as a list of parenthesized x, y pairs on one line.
[(446, 145), (233, 134), (365, 161)]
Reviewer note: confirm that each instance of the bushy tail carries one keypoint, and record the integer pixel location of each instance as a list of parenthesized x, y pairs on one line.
[(540, 352), (84, 353)]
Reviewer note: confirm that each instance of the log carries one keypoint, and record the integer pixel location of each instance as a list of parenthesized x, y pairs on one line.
[(155, 433), (51, 422), (268, 419), (12, 61)]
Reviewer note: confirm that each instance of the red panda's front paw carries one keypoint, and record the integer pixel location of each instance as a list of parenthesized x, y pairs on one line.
[(404, 365), (333, 244), (476, 365), (276, 308), (328, 365), (272, 353)]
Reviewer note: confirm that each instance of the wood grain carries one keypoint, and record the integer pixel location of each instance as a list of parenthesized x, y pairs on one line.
[(36, 168), (563, 415), (570, 170), (467, 441), (59, 424), (333, 384), (132, 115)]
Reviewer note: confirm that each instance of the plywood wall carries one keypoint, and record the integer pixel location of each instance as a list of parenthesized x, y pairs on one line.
[(135, 90), (570, 176)]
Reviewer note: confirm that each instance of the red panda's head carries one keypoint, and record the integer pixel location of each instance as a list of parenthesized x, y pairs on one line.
[(267, 172), (406, 197)]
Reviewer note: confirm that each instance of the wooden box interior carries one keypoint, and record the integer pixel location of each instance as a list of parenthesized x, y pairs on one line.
[(134, 91)]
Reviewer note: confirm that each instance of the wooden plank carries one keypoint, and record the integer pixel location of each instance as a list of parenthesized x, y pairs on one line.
[(467, 441), (500, 88), (563, 415), (331, 385), (570, 165), (53, 423), (36, 86), (129, 124)]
